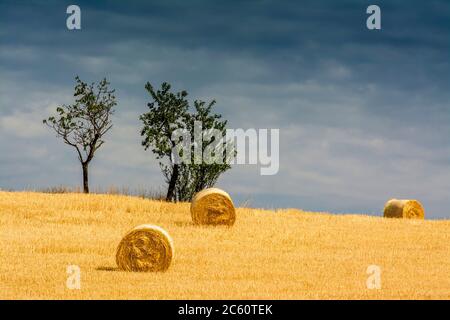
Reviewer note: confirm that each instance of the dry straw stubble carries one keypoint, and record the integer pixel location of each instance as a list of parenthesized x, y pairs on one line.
[(213, 206), (146, 248), (409, 209)]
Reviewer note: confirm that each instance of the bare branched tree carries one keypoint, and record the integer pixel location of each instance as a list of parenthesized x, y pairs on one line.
[(83, 125)]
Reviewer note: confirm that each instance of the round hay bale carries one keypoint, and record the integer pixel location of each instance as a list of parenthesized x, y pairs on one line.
[(408, 209), (213, 206), (146, 248)]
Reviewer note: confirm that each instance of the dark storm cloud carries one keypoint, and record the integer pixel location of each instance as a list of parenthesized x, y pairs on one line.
[(363, 115)]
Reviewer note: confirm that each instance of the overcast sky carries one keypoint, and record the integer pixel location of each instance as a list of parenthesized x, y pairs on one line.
[(364, 115)]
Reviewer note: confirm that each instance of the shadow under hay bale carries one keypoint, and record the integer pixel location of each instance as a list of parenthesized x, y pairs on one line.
[(146, 248), (213, 206), (107, 269), (406, 209)]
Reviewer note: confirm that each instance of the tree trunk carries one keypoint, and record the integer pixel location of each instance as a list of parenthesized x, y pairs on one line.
[(172, 183), (85, 177)]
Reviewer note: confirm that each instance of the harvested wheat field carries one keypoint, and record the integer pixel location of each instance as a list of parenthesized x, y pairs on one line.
[(285, 254)]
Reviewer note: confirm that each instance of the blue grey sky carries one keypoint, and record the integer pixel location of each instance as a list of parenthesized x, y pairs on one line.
[(364, 116)]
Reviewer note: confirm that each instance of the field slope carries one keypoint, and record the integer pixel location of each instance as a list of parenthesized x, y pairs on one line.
[(285, 254)]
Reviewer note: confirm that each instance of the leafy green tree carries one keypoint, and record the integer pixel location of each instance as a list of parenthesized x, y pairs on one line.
[(83, 124), (169, 112), (200, 174), (165, 115)]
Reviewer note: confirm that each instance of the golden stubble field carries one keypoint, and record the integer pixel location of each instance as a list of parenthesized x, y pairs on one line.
[(284, 254)]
